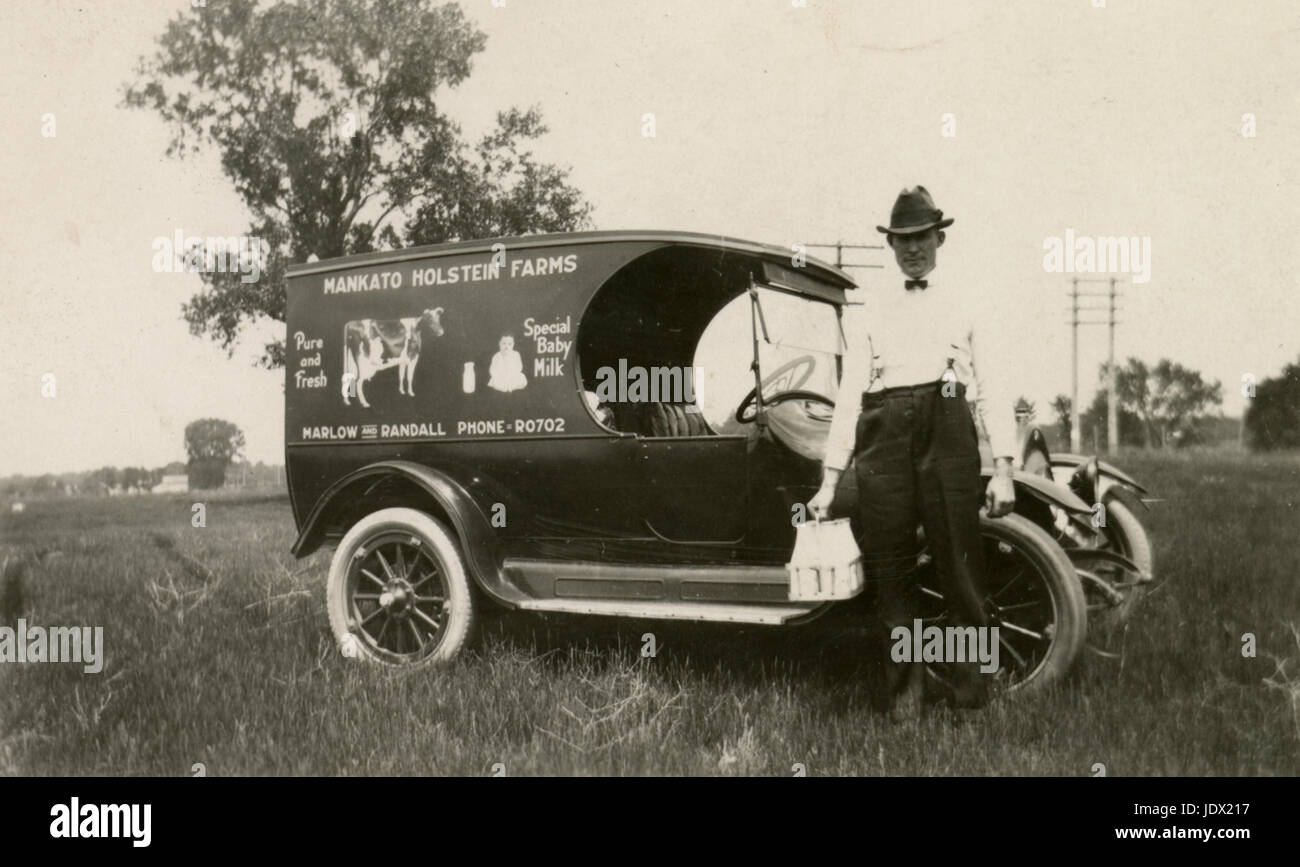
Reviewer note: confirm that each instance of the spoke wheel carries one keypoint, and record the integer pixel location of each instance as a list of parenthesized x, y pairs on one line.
[(1032, 595), (398, 592), (397, 597)]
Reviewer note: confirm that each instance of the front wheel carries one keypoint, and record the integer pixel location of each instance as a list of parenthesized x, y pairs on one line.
[(1032, 595), (1123, 534), (397, 592)]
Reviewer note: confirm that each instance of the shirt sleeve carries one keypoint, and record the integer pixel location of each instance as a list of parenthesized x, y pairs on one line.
[(994, 384), (848, 398)]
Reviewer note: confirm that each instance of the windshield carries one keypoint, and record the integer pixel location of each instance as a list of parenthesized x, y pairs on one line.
[(802, 341)]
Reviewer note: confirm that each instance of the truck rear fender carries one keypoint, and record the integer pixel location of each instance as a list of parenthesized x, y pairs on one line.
[(386, 483)]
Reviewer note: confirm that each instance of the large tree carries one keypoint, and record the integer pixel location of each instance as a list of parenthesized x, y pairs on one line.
[(325, 116), (1170, 400), (211, 444), (1273, 412)]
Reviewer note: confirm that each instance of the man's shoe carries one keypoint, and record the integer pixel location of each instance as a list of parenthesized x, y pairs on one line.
[(909, 701), (965, 686)]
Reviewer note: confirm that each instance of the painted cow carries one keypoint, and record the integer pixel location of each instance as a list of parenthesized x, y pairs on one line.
[(372, 345)]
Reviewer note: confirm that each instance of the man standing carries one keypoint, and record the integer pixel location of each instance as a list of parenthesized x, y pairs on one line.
[(902, 412)]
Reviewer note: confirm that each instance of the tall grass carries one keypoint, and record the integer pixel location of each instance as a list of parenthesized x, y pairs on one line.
[(218, 652)]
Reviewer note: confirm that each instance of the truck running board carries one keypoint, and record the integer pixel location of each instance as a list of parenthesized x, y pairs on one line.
[(705, 586), (771, 615)]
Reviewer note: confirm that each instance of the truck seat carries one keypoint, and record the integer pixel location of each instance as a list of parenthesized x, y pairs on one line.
[(674, 420)]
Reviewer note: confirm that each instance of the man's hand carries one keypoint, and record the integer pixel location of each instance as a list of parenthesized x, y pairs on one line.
[(1000, 495), (820, 504)]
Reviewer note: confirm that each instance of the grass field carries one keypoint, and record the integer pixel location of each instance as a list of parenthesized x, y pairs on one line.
[(218, 652)]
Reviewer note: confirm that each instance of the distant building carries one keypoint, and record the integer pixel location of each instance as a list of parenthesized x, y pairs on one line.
[(177, 484)]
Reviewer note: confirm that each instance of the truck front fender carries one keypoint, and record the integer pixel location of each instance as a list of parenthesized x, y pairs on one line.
[(1104, 468), (1043, 489)]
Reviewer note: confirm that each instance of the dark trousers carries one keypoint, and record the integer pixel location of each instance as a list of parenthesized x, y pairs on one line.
[(917, 462)]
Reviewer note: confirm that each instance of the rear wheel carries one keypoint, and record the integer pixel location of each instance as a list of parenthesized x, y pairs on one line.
[(1032, 595), (397, 592)]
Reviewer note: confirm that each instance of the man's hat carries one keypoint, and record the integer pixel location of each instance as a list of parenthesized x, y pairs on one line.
[(914, 212)]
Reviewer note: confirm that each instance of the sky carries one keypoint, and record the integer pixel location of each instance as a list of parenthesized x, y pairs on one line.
[(773, 122)]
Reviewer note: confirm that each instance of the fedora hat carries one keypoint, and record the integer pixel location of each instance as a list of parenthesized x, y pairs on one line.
[(914, 211)]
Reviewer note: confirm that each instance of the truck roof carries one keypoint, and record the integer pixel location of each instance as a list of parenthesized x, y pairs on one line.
[(768, 252)]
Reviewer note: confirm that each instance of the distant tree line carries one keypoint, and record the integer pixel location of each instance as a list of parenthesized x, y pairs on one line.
[(98, 481), (105, 480), (214, 447), (1159, 406), (1170, 405)]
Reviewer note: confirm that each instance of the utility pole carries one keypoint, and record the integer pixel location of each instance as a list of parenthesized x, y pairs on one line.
[(1076, 435), (1112, 399)]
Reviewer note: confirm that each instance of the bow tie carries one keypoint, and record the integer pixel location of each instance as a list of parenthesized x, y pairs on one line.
[(909, 285)]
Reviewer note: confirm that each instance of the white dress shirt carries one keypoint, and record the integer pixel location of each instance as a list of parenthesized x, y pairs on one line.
[(906, 337)]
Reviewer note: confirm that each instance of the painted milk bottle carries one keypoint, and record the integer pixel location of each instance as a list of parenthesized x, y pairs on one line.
[(467, 379)]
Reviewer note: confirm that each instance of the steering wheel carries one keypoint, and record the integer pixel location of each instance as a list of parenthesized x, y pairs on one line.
[(779, 397)]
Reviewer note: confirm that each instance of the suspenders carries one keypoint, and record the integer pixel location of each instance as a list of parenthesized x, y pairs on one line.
[(949, 374), (943, 377)]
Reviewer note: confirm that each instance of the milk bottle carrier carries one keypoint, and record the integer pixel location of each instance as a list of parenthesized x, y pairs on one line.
[(826, 563)]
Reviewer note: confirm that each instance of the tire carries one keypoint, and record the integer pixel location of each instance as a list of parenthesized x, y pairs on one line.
[(1030, 585), (1125, 535), (1129, 537), (378, 591)]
